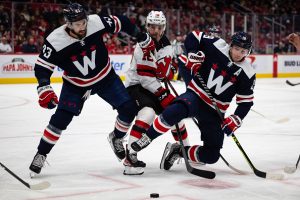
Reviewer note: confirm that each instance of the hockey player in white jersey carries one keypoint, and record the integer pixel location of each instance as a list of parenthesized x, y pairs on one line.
[(77, 47), (143, 81)]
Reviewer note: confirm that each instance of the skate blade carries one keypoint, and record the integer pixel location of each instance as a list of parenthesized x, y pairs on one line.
[(197, 164), (166, 151), (133, 170), (33, 174), (112, 147)]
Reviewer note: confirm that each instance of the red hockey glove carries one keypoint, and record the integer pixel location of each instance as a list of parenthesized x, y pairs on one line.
[(194, 61), (165, 69), (146, 43), (230, 124), (47, 97), (164, 96)]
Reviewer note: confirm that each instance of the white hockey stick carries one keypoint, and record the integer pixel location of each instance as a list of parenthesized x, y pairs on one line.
[(39, 186), (282, 120), (292, 169)]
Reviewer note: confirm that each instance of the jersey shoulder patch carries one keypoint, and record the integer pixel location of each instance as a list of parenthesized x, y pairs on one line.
[(247, 68)]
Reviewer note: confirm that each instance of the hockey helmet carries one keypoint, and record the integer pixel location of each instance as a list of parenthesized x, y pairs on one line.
[(214, 31), (242, 39), (157, 18), (74, 12)]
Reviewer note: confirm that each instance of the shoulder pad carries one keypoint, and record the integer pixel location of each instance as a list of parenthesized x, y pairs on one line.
[(165, 52), (60, 39), (247, 68)]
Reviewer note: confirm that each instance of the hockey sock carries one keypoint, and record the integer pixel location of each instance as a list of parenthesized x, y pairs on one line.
[(49, 139), (169, 117), (136, 132), (203, 154), (121, 128), (182, 132)]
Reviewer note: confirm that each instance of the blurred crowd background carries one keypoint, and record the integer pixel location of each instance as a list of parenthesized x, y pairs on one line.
[(25, 24)]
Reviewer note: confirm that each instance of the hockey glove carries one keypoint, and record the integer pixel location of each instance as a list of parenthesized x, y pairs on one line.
[(164, 96), (194, 61), (230, 124), (165, 69), (146, 43), (47, 97)]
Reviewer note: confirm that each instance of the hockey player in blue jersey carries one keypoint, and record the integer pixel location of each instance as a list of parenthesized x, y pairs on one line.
[(185, 73), (226, 73), (77, 48)]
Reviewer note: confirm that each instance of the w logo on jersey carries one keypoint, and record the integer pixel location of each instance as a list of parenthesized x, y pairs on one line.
[(217, 82), (87, 62)]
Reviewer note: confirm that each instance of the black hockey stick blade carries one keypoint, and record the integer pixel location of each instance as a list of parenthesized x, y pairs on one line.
[(198, 172), (291, 84), (38, 186)]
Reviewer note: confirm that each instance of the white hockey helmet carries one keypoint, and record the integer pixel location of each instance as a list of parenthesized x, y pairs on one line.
[(157, 18)]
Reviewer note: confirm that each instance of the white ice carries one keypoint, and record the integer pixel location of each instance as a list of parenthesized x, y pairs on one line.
[(83, 166)]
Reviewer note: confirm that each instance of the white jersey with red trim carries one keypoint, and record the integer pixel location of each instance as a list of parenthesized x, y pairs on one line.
[(224, 78), (85, 61), (143, 66)]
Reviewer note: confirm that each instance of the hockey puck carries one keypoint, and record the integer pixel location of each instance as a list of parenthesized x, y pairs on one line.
[(154, 195)]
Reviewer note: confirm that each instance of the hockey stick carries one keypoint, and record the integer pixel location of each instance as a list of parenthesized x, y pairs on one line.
[(292, 169), (255, 170), (197, 124), (190, 169), (39, 186), (282, 120), (198, 172), (291, 84)]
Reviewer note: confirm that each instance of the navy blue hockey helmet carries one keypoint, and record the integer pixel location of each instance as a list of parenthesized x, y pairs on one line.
[(74, 12), (214, 29), (242, 39)]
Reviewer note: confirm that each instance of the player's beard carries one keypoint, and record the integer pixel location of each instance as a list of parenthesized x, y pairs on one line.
[(81, 34)]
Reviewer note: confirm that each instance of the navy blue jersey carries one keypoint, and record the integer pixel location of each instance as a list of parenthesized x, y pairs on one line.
[(224, 78), (85, 62)]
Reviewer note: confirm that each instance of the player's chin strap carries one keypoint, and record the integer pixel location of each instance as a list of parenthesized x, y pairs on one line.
[(168, 83), (256, 171)]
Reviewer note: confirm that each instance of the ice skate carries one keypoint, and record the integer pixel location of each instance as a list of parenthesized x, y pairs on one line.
[(142, 143), (170, 155), (37, 164), (133, 166), (117, 146)]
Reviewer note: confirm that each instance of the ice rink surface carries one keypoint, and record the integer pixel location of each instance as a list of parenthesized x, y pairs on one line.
[(83, 166)]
